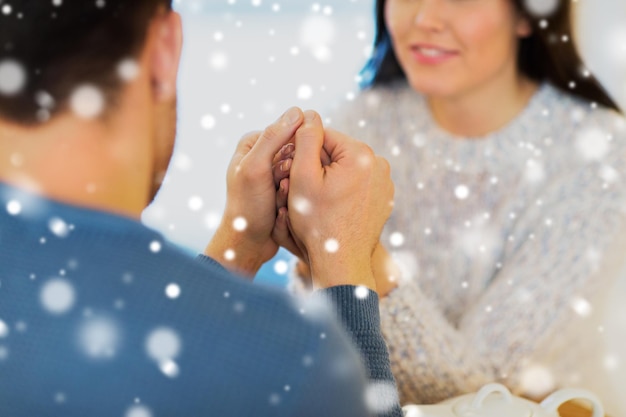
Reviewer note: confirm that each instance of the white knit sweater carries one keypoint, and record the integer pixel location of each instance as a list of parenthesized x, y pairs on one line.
[(509, 245)]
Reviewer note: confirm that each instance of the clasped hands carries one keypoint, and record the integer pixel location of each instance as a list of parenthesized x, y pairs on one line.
[(317, 192)]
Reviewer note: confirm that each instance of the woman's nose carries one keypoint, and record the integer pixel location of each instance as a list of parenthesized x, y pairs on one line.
[(429, 15)]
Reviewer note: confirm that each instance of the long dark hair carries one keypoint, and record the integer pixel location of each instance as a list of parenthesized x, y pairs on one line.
[(542, 56)]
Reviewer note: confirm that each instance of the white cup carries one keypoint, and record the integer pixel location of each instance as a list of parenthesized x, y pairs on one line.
[(552, 403), (495, 400)]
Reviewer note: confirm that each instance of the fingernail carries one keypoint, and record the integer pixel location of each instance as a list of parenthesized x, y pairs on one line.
[(285, 165), (292, 115), (309, 116), (287, 149)]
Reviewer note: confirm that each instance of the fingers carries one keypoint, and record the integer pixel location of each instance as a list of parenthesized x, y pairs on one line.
[(286, 152), (336, 142), (385, 164), (282, 235), (386, 175), (280, 166), (246, 143), (352, 153), (282, 194), (281, 171), (325, 158), (303, 270), (274, 137), (307, 166), (289, 150)]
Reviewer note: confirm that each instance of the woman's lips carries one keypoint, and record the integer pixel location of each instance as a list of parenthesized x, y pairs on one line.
[(432, 55)]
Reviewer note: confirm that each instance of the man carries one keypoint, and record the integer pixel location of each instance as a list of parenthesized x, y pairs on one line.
[(99, 316)]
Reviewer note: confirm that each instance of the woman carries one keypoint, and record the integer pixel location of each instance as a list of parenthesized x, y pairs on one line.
[(509, 163)]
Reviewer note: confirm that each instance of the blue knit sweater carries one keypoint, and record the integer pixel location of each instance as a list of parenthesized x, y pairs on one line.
[(100, 316)]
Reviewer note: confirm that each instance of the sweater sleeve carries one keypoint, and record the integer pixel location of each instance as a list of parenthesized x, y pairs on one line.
[(210, 262), (559, 257), (360, 317), (361, 320)]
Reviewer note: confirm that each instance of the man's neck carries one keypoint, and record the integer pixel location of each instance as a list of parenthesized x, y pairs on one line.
[(482, 110), (78, 163)]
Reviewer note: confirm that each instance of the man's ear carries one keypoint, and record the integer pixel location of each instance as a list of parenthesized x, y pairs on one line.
[(165, 40), (524, 27)]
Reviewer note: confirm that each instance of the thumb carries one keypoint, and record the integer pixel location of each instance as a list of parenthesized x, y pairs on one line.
[(307, 166)]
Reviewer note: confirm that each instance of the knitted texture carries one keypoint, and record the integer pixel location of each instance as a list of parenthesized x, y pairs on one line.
[(359, 312), (508, 243), (100, 316)]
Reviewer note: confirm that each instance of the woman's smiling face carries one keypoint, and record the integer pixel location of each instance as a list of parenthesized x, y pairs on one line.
[(450, 47)]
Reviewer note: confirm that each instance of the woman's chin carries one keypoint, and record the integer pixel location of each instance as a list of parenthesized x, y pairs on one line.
[(432, 88)]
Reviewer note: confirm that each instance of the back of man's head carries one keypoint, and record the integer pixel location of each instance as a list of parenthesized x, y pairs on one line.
[(50, 48)]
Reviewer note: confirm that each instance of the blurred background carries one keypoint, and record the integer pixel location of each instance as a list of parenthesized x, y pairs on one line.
[(244, 63)]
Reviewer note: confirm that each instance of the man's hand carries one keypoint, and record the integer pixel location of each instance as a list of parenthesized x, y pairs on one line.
[(243, 241), (337, 211), (282, 169), (386, 272)]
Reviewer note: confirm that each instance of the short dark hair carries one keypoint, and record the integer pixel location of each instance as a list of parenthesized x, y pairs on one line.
[(60, 44), (542, 56)]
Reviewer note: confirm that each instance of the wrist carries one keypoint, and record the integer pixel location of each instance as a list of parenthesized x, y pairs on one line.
[(236, 253), (331, 270), (386, 272)]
